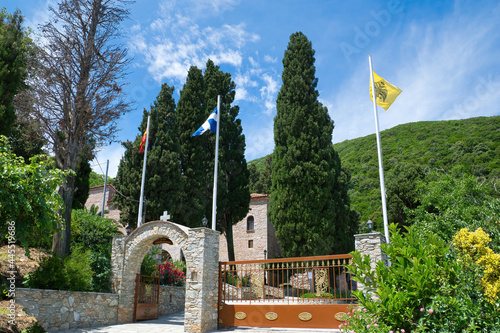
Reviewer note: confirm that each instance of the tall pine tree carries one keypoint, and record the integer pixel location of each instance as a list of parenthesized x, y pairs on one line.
[(163, 177), (308, 205)]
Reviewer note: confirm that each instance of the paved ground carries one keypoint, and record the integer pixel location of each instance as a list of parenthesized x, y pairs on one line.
[(175, 324)]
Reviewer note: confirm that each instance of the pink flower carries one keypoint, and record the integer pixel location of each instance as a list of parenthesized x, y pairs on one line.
[(391, 331), (422, 309), (402, 331), (431, 311), (375, 325), (367, 326)]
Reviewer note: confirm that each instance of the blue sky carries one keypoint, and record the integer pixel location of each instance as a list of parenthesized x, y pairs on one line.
[(444, 55)]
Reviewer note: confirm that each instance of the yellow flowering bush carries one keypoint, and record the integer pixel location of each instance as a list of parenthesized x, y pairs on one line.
[(472, 247), (491, 278)]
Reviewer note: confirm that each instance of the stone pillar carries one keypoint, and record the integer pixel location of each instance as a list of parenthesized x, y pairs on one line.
[(117, 253), (202, 278), (370, 244)]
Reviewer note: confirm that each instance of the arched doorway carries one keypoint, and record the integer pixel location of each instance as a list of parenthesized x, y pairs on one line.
[(201, 250)]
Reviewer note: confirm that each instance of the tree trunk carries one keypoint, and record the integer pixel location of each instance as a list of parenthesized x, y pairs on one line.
[(229, 239), (61, 241)]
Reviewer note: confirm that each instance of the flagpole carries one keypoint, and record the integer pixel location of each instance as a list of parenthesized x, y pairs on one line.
[(379, 150), (214, 202), (139, 216), (105, 187)]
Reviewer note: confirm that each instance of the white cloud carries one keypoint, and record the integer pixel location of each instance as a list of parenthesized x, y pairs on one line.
[(174, 41), (269, 59), (444, 69), (268, 93)]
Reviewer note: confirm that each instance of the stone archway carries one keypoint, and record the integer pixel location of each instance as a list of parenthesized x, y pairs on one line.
[(201, 250)]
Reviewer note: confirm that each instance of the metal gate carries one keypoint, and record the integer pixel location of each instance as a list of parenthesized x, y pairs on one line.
[(308, 292), (147, 295)]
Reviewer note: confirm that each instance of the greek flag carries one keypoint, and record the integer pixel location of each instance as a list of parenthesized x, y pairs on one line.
[(211, 124)]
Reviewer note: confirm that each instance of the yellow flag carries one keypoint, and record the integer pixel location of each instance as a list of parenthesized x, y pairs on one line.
[(386, 92)]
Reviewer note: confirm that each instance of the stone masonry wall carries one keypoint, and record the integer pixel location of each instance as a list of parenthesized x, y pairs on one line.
[(262, 237), (60, 309), (171, 300), (370, 244), (95, 198), (202, 259)]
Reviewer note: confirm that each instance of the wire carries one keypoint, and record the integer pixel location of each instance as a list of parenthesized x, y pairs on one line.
[(120, 193)]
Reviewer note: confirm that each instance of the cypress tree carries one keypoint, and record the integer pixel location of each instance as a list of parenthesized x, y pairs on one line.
[(163, 165), (163, 179), (194, 152), (308, 205), (128, 180), (233, 195)]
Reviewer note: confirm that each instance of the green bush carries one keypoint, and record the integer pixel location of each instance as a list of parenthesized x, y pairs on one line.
[(79, 268), (425, 289), (73, 273), (101, 265), (148, 265), (93, 232)]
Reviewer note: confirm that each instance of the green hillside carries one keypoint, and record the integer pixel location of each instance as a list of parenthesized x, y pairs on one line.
[(473, 142)]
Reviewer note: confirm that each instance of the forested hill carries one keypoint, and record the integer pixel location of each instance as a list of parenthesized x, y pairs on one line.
[(473, 142)]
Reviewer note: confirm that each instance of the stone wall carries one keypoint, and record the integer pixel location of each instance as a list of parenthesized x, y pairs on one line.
[(371, 244), (171, 300), (60, 309), (202, 280), (95, 198), (262, 237)]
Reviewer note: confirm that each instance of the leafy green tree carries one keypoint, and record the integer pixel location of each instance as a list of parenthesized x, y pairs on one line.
[(194, 152), (96, 179), (402, 191), (260, 181), (163, 174), (455, 200), (15, 49), (473, 143), (28, 197), (308, 204)]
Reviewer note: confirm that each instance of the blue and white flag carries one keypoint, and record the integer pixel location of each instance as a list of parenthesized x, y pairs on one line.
[(211, 124)]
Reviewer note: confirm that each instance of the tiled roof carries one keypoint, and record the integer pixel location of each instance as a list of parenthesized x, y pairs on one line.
[(258, 195)]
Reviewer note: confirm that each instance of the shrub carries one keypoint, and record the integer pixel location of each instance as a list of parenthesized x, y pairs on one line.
[(148, 265), (429, 287), (49, 275), (101, 265), (169, 275), (93, 232), (79, 268), (73, 273)]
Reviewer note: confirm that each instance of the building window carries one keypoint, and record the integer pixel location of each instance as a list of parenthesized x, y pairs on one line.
[(250, 223), (250, 244)]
